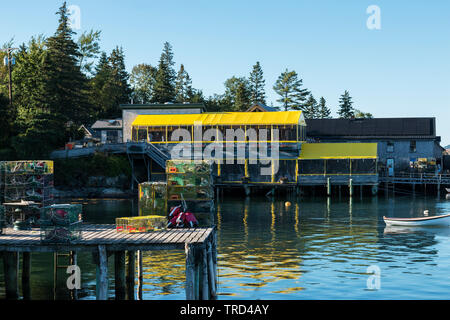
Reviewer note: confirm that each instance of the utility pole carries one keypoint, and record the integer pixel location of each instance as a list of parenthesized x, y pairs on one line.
[(10, 64)]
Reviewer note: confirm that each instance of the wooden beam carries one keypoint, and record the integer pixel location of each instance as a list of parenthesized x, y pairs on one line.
[(131, 273), (190, 272), (102, 274), (119, 275), (140, 274), (26, 275), (11, 266), (73, 259), (211, 272), (204, 274)]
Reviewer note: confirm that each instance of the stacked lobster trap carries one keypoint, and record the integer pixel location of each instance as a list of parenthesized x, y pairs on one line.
[(190, 185), (61, 223), (27, 181), (152, 199)]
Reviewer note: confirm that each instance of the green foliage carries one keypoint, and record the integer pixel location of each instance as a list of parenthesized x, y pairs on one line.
[(109, 87), (64, 82), (324, 111), (289, 88), (183, 86), (76, 172), (89, 46), (164, 88), (362, 115), (5, 124), (311, 108), (143, 80), (346, 110), (256, 85), (237, 94)]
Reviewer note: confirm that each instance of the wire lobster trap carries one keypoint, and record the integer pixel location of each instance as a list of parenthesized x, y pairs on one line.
[(152, 199), (141, 224), (61, 214), (61, 234)]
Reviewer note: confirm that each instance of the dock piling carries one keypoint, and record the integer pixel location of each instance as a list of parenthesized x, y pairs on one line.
[(11, 267), (102, 273), (131, 274), (190, 272), (140, 274), (26, 275), (119, 274)]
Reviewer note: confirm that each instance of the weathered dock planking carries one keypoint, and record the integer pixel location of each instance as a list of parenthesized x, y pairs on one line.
[(103, 240)]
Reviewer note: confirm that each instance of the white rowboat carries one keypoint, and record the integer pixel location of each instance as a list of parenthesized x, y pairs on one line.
[(437, 221)]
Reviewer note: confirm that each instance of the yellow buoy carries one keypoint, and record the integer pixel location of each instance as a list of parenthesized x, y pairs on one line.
[(287, 204)]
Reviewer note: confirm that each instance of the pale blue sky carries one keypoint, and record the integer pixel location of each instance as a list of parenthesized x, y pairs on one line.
[(401, 70)]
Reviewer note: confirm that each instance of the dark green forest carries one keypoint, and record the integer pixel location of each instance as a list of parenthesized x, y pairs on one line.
[(65, 80)]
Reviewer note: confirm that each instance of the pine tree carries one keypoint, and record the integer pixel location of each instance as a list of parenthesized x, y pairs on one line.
[(289, 88), (109, 87), (346, 106), (311, 109), (324, 111), (64, 82), (237, 93), (88, 43), (183, 86), (143, 80), (164, 89), (120, 79), (257, 83), (242, 98)]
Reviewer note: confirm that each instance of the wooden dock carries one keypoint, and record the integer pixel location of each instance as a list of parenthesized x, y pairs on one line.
[(103, 241)]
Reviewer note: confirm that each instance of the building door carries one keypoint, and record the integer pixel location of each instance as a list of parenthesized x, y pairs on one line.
[(390, 167)]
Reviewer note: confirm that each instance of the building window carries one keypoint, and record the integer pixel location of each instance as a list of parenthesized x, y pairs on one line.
[(390, 147), (412, 147)]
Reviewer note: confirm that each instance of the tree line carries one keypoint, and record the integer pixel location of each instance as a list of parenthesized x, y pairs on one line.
[(63, 81)]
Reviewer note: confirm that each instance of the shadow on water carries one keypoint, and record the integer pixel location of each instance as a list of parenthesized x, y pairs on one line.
[(309, 248)]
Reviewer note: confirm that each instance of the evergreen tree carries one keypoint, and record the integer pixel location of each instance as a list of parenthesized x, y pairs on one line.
[(257, 83), (63, 80), (142, 80), (89, 46), (346, 110), (120, 78), (183, 86), (164, 89), (242, 98), (5, 124), (237, 94), (324, 111), (109, 87), (311, 108), (289, 88)]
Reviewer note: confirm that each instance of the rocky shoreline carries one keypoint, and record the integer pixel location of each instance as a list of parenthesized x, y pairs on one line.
[(93, 193), (97, 187)]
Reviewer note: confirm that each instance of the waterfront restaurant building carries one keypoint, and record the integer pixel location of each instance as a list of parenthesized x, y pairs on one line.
[(298, 162)]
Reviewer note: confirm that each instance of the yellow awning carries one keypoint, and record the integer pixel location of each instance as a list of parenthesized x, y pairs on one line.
[(218, 119), (312, 151)]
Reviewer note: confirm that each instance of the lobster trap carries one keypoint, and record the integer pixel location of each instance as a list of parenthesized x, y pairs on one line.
[(61, 234), (61, 214), (27, 181), (152, 199), (190, 184), (141, 224)]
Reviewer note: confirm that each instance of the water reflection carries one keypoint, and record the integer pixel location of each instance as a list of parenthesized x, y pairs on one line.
[(315, 248)]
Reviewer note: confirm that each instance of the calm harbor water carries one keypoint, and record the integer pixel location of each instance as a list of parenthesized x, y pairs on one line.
[(313, 249)]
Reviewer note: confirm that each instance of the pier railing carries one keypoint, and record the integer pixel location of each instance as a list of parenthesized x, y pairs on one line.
[(417, 178)]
